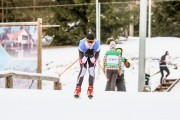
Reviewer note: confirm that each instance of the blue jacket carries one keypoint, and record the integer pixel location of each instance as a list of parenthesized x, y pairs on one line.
[(83, 48)]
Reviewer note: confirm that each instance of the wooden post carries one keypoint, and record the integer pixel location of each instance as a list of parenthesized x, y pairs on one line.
[(9, 82), (39, 65), (2, 14), (57, 86)]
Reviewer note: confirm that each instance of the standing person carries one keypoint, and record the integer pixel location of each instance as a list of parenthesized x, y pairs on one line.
[(163, 67), (120, 81), (89, 49), (147, 87), (112, 66)]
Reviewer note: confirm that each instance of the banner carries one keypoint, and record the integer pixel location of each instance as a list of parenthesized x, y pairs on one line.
[(18, 51)]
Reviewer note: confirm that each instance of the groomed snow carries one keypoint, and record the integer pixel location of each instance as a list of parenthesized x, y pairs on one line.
[(48, 104), (18, 104)]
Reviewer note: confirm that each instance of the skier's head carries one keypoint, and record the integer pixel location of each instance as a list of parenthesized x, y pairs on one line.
[(166, 53), (119, 50), (112, 45), (90, 40)]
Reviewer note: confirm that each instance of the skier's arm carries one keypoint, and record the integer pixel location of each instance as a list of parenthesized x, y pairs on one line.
[(82, 57), (97, 54), (168, 60), (126, 62), (95, 57), (104, 62), (120, 63)]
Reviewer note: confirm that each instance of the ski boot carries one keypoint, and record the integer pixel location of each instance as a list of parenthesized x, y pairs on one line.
[(77, 92), (90, 92), (164, 80)]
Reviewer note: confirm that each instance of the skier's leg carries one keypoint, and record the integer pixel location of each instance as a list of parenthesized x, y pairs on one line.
[(91, 75), (118, 82), (91, 78), (113, 80), (162, 74), (121, 84), (83, 68), (167, 70), (108, 84)]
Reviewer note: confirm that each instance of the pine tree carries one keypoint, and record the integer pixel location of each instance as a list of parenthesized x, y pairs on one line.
[(18, 11), (166, 17), (76, 20)]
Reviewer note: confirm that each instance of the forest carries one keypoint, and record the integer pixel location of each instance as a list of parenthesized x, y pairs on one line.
[(77, 17)]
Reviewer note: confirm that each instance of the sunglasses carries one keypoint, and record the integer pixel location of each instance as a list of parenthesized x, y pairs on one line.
[(90, 41)]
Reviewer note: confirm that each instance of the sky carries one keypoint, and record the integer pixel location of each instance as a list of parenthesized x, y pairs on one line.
[(49, 104)]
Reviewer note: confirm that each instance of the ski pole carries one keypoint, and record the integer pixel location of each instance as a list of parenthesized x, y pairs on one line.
[(31, 84), (159, 72), (102, 70), (59, 74)]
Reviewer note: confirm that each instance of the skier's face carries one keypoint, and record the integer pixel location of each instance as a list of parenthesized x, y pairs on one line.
[(90, 42)]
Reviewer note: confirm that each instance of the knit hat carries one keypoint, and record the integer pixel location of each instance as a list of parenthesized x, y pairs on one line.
[(120, 50), (90, 36), (112, 45)]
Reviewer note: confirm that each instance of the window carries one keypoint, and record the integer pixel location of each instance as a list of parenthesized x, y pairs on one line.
[(24, 37)]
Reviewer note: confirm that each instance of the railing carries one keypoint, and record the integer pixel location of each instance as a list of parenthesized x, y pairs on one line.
[(166, 87), (10, 74)]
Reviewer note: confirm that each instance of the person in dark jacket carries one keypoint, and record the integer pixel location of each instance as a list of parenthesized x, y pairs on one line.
[(163, 67), (89, 49), (120, 81)]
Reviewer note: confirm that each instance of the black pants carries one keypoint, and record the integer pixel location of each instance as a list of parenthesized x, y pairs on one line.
[(112, 76), (162, 69), (120, 83)]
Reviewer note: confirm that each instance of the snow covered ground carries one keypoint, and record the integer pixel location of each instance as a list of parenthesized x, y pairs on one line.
[(47, 104), (60, 105)]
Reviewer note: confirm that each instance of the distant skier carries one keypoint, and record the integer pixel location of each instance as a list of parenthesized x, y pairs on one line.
[(89, 49), (120, 81), (112, 66), (163, 67)]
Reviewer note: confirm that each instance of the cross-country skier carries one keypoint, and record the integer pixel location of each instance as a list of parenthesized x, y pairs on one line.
[(89, 49), (163, 67), (112, 66)]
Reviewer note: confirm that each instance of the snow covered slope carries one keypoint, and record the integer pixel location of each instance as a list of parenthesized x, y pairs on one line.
[(18, 104)]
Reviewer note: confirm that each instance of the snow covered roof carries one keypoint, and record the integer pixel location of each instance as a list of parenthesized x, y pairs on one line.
[(14, 36)]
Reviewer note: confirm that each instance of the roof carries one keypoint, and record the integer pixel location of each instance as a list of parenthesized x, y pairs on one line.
[(14, 36)]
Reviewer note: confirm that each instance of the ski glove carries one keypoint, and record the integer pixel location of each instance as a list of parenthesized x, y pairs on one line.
[(93, 60), (83, 60), (89, 53), (127, 64)]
